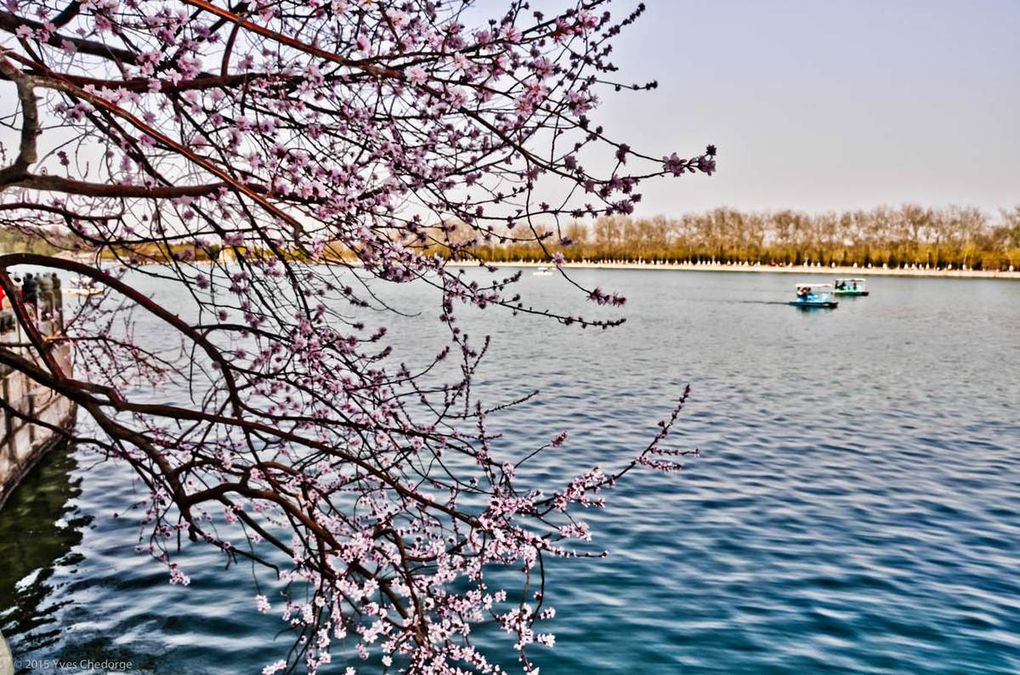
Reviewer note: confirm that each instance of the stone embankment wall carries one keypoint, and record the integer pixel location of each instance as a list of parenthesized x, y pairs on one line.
[(23, 444)]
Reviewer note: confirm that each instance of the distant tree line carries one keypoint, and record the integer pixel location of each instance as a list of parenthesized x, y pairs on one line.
[(13, 240), (910, 235), (960, 237)]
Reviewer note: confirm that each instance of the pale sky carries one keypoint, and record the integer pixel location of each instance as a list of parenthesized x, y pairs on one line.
[(833, 104), (823, 104)]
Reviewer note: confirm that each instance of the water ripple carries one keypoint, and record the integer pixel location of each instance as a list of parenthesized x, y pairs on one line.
[(857, 507)]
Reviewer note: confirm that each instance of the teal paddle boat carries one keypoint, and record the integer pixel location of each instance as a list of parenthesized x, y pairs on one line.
[(815, 296), (851, 287)]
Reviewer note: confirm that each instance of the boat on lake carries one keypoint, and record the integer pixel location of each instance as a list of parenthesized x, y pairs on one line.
[(813, 296), (851, 287), (82, 287), (543, 271)]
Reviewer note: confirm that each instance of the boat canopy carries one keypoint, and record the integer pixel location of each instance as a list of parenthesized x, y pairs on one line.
[(812, 294)]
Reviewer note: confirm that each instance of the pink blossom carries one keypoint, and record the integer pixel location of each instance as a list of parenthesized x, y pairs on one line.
[(417, 74), (275, 187)]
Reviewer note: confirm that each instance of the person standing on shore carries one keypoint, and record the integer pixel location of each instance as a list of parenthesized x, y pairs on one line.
[(30, 294)]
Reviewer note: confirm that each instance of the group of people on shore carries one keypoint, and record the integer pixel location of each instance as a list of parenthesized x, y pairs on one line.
[(39, 294)]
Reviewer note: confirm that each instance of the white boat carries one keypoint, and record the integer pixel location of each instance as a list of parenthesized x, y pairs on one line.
[(852, 287), (812, 296), (543, 272), (80, 287)]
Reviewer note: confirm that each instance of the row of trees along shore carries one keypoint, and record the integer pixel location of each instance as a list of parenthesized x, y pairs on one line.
[(936, 238), (17, 240), (939, 238)]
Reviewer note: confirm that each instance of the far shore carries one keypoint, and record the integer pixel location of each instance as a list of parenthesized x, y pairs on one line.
[(804, 270)]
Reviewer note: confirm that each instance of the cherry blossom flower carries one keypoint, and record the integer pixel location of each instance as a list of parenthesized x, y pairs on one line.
[(274, 164)]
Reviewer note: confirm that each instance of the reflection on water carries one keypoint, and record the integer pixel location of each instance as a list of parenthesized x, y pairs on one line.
[(857, 507), (39, 530)]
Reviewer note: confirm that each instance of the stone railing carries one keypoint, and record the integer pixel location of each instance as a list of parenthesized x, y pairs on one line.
[(22, 444)]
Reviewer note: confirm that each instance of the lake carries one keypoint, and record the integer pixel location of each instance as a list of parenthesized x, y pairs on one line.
[(856, 507)]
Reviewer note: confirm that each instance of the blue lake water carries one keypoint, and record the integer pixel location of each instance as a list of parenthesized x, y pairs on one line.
[(856, 507)]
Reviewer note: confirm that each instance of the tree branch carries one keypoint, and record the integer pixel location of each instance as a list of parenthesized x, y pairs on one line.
[(29, 121), (86, 189), (11, 23)]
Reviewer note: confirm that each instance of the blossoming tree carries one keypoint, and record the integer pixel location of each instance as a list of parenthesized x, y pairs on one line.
[(254, 154)]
